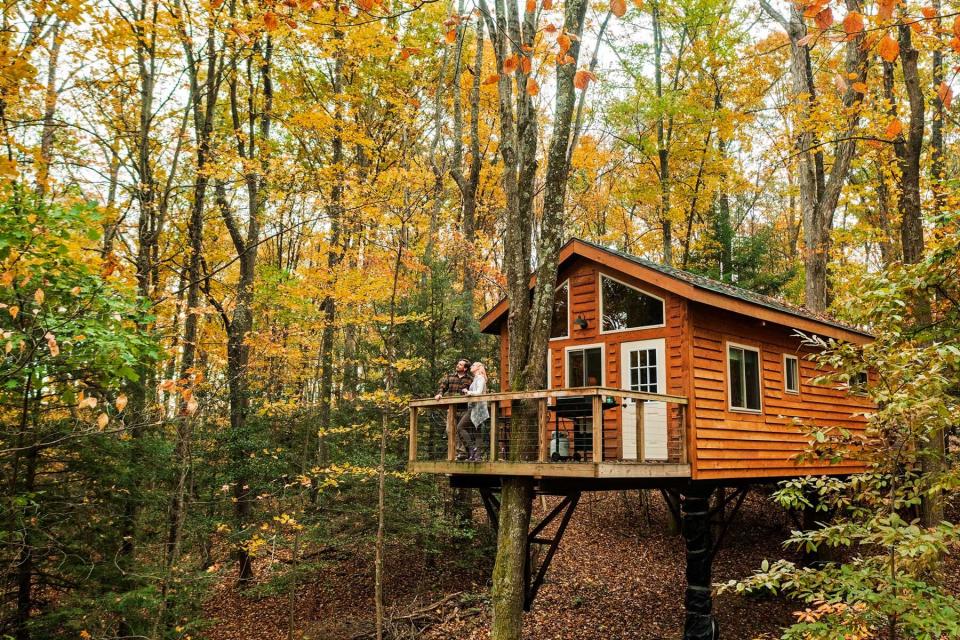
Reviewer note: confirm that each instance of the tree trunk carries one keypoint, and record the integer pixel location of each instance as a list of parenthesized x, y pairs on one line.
[(516, 502), (820, 191)]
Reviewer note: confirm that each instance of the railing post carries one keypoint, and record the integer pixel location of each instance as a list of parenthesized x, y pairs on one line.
[(413, 434), (494, 409), (683, 434), (640, 406), (597, 428), (451, 433), (542, 429)]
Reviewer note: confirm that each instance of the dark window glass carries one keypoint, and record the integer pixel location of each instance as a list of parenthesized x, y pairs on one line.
[(626, 308), (744, 378), (790, 374), (858, 382), (559, 326), (585, 367)]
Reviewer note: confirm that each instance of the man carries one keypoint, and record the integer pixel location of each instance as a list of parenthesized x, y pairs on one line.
[(454, 384)]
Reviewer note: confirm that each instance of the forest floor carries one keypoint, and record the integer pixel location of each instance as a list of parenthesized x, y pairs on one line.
[(618, 574)]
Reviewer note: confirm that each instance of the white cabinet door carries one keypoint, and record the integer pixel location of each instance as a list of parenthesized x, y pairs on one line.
[(643, 368)]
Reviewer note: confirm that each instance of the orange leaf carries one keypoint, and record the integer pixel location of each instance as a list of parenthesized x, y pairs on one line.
[(531, 6), (885, 8), (582, 78), (366, 5), (451, 36), (956, 26), (270, 21), (859, 87), (824, 19), (945, 93), (929, 13), (547, 5), (526, 64), (550, 28), (491, 79), (215, 4), (618, 7), (563, 41), (893, 129), (888, 48), (955, 43), (532, 87), (805, 40), (853, 23), (510, 64)]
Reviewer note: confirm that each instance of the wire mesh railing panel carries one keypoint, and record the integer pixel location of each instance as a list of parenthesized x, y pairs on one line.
[(556, 426)]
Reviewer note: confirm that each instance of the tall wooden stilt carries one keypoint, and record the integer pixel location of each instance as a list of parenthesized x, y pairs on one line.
[(695, 507)]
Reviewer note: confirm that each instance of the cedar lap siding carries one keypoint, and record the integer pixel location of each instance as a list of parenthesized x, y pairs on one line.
[(701, 317)]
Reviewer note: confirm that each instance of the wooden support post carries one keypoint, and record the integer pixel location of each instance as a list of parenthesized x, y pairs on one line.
[(451, 433), (544, 441), (413, 434), (494, 409), (597, 428)]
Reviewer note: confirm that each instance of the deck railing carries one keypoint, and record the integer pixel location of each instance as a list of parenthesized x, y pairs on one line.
[(554, 428)]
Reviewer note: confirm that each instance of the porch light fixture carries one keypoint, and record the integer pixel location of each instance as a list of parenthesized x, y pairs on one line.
[(580, 322)]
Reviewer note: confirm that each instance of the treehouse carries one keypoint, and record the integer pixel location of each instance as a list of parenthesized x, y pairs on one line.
[(654, 375)]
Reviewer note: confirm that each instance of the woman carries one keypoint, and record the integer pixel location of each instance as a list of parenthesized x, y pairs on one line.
[(476, 414)]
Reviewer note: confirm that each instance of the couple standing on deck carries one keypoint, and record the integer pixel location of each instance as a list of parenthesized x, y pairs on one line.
[(468, 380)]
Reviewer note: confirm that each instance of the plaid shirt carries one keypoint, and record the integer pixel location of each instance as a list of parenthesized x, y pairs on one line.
[(453, 385)]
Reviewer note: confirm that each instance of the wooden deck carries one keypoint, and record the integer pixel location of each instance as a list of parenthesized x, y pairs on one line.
[(538, 452)]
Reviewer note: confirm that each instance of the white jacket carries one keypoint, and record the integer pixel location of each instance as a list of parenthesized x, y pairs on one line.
[(478, 410)]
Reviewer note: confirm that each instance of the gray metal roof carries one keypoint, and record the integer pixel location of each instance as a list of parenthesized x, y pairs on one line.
[(723, 288)]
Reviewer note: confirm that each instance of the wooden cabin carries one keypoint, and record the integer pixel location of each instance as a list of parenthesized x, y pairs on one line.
[(656, 372)]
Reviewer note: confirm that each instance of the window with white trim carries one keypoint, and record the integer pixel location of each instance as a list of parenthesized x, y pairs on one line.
[(743, 366), (791, 374), (585, 367), (625, 307), (643, 370)]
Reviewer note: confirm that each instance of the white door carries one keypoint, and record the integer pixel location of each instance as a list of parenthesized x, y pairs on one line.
[(643, 368)]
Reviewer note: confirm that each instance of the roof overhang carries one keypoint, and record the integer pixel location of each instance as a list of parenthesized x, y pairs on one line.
[(491, 321)]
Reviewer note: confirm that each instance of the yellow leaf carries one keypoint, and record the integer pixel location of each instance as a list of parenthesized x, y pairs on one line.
[(14, 310)]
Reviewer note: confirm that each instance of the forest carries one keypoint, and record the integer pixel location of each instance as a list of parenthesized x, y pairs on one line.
[(238, 237)]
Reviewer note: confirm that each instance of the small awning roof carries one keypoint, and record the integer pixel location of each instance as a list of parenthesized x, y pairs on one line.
[(697, 288)]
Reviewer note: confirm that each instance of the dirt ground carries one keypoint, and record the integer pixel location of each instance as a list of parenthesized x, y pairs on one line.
[(618, 574)]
